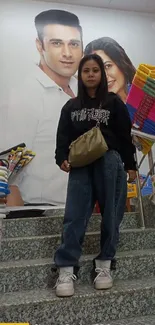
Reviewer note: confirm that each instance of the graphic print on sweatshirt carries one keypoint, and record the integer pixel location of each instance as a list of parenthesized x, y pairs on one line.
[(95, 114)]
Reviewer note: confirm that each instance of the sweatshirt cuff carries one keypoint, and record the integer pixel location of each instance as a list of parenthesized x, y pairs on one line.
[(59, 160), (132, 166)]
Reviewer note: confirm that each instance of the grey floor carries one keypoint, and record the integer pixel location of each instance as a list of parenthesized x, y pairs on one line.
[(147, 320)]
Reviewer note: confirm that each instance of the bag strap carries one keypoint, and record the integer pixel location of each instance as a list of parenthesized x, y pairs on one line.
[(98, 121)]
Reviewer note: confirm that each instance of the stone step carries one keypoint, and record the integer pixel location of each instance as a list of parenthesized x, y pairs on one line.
[(130, 298), (52, 225), (45, 246), (36, 274), (145, 320)]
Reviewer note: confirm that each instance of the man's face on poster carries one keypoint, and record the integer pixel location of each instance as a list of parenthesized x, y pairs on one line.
[(62, 49)]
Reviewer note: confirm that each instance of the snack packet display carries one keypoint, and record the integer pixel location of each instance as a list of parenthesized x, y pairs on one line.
[(17, 159), (27, 156), (13, 159), (4, 191)]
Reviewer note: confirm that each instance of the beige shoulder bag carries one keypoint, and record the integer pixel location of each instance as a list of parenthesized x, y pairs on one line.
[(87, 148)]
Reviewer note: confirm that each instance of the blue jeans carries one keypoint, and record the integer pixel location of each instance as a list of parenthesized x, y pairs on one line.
[(105, 181)]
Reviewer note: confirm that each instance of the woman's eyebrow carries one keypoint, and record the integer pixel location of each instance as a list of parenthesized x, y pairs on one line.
[(106, 61)]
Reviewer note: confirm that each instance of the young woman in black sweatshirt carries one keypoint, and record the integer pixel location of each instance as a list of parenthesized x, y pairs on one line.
[(105, 180)]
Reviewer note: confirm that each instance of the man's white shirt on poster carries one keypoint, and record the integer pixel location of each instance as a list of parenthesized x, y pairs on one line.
[(33, 113)]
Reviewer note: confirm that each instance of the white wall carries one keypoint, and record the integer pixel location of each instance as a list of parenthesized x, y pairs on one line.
[(135, 32)]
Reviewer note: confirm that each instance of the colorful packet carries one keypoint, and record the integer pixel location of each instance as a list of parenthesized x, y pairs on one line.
[(4, 179), (13, 159), (17, 159), (4, 192), (26, 158), (3, 163)]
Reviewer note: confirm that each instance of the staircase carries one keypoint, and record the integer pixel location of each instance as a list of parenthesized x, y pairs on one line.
[(26, 279)]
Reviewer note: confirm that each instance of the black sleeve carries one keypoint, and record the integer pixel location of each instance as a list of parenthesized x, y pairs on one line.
[(62, 137), (123, 131)]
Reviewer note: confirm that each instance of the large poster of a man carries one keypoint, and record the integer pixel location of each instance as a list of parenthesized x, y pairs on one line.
[(33, 106)]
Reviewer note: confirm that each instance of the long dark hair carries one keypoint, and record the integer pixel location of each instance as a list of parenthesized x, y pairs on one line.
[(116, 53), (102, 90)]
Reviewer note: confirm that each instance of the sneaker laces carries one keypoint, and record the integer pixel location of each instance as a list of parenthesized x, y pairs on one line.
[(65, 278), (102, 272)]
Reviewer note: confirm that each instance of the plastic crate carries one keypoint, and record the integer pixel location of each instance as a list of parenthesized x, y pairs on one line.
[(148, 188)]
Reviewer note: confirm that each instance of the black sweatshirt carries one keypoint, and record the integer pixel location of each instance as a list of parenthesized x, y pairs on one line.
[(115, 126)]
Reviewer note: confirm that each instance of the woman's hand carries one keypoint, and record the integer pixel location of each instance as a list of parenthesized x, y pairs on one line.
[(65, 166), (132, 175)]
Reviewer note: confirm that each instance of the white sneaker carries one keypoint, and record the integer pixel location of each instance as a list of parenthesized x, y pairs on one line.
[(65, 283), (103, 279)]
